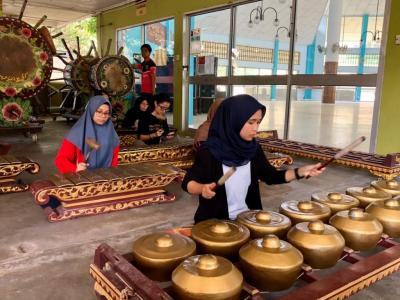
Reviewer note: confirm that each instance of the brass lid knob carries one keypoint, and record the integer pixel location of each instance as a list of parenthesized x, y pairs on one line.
[(316, 227), (394, 203), (392, 183), (220, 228), (305, 205), (164, 241), (271, 241), (369, 190), (263, 217), (207, 262), (356, 213), (335, 196)]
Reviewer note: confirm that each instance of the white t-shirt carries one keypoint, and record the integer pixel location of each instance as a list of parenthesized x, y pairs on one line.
[(236, 189)]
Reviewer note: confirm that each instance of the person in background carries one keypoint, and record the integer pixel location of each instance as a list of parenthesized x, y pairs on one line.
[(148, 69), (154, 125), (232, 143), (137, 112), (202, 132)]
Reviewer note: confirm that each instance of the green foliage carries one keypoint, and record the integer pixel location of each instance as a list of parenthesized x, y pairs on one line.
[(86, 30)]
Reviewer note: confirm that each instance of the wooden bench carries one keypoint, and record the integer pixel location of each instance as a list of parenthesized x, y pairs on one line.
[(10, 167)]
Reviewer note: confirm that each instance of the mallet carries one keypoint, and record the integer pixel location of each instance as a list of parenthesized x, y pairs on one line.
[(93, 145), (225, 177), (342, 152)]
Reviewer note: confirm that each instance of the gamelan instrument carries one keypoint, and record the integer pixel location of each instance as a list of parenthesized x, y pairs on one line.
[(322, 245), (27, 61), (218, 237), (270, 264), (384, 166), (361, 230), (335, 201), (267, 266), (158, 254), (305, 211), (261, 223), (96, 191), (387, 212), (113, 74), (201, 277), (178, 152), (10, 167), (367, 195), (342, 152), (389, 186)]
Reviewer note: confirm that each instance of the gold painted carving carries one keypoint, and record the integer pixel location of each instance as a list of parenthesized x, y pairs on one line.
[(12, 170), (85, 191)]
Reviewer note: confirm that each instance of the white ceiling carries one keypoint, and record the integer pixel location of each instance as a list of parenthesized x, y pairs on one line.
[(309, 13), (60, 12)]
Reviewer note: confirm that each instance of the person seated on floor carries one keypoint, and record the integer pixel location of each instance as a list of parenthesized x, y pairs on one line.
[(132, 116), (153, 126), (75, 155), (231, 143)]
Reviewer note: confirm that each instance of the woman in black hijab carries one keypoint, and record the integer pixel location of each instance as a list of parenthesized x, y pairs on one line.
[(132, 116), (231, 143)]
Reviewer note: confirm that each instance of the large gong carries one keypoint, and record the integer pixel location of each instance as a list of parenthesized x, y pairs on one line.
[(113, 75), (77, 73), (26, 61)]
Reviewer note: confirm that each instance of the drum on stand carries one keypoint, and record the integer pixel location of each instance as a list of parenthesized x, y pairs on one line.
[(113, 75)]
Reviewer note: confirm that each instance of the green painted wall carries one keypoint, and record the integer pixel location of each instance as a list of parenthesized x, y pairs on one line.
[(157, 9), (389, 117)]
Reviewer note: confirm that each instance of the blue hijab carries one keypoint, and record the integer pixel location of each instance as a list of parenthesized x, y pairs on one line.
[(104, 135), (224, 141)]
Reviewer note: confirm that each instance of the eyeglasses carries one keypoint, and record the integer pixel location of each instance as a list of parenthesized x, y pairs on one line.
[(103, 113)]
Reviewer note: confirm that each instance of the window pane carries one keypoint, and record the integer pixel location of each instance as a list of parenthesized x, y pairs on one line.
[(200, 99), (131, 40), (335, 125), (160, 36), (261, 41), (214, 30), (339, 39), (275, 116)]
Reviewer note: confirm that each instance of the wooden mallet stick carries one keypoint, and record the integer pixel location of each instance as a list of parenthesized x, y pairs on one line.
[(225, 177), (342, 152), (93, 145)]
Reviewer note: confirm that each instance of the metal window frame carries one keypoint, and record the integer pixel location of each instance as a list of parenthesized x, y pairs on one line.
[(289, 80)]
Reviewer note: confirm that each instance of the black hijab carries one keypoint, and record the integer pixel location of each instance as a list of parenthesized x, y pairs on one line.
[(135, 113), (224, 141)]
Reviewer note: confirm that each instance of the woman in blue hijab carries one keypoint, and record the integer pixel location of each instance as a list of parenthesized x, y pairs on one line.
[(94, 124), (232, 143)]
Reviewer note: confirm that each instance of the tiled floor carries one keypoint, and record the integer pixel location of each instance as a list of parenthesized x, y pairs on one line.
[(335, 125)]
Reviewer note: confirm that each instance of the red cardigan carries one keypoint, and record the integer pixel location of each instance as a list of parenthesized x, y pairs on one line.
[(69, 156)]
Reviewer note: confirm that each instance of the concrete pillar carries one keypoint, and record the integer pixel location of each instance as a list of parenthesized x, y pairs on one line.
[(333, 37), (361, 55), (275, 67)]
